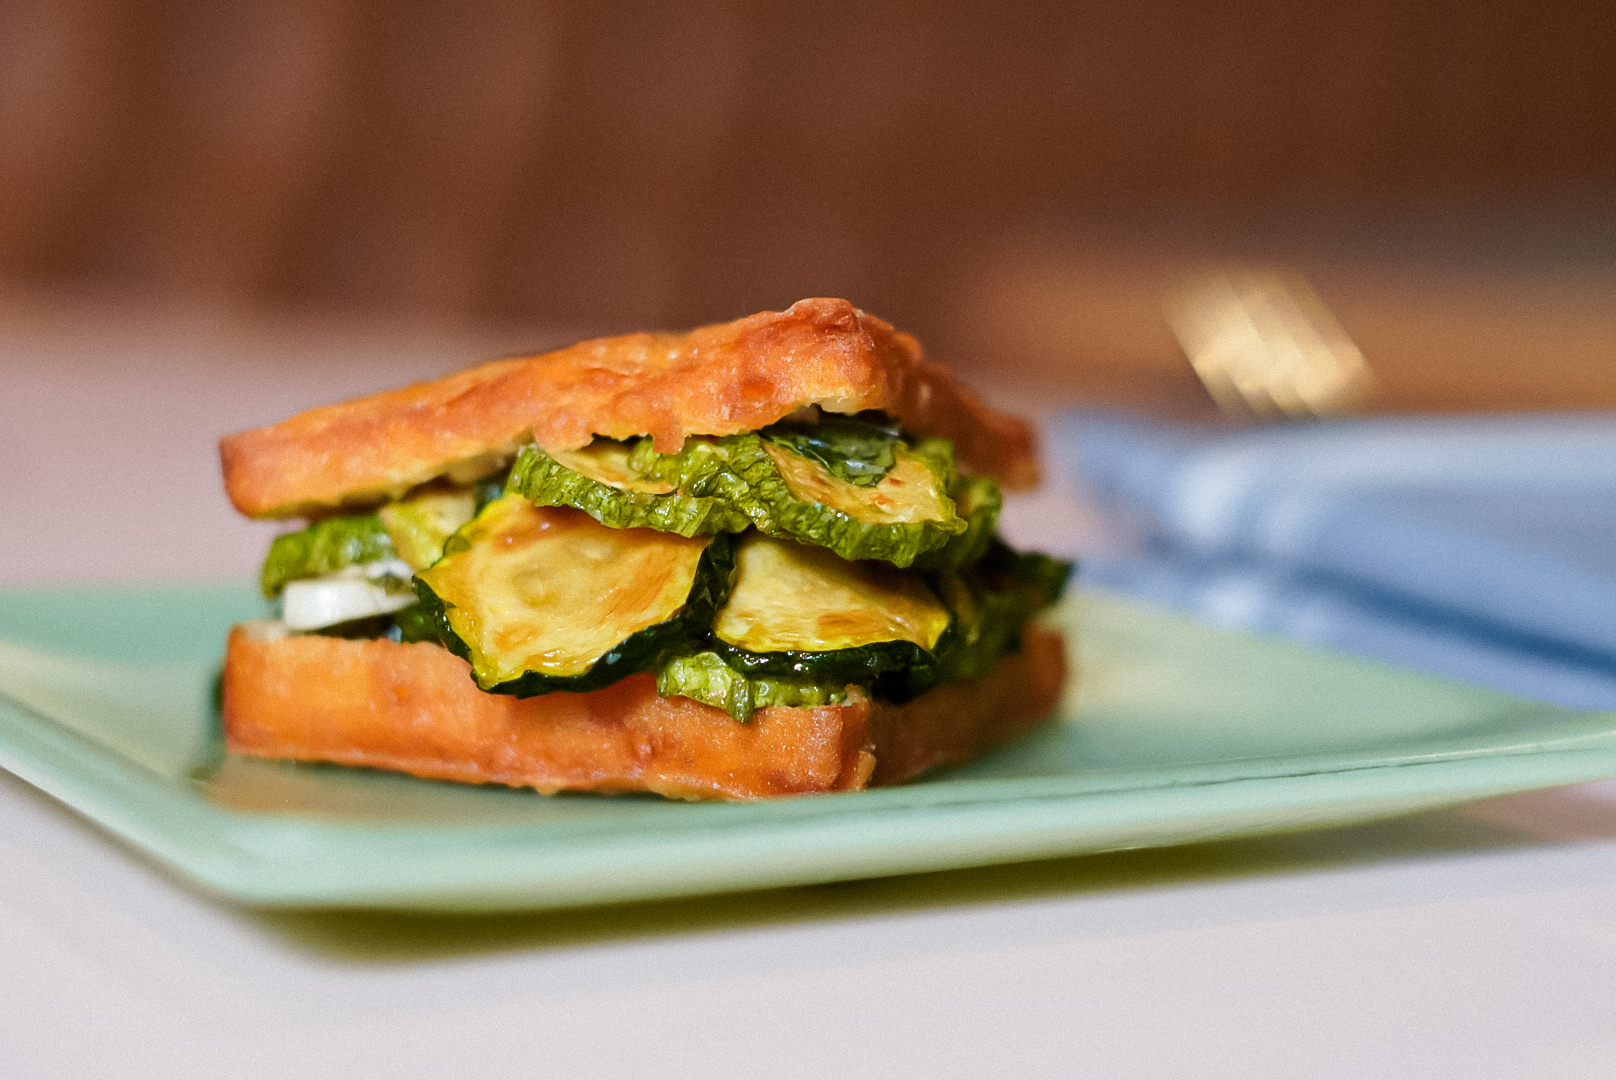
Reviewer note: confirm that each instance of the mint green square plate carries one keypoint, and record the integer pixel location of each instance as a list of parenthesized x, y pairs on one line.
[(1173, 733)]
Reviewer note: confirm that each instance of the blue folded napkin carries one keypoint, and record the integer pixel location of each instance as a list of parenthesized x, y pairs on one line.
[(1483, 548)]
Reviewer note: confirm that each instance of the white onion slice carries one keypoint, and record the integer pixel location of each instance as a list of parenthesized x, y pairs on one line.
[(315, 603)]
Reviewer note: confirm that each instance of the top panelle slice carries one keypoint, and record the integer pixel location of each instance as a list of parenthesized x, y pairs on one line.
[(716, 380), (641, 546)]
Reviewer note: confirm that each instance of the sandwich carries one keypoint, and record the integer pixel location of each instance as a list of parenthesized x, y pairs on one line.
[(751, 560)]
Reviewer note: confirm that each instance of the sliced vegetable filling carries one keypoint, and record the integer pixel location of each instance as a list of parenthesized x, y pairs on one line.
[(584, 566), (857, 449), (853, 486), (601, 481), (907, 512), (798, 611), (908, 494), (706, 678), (540, 599), (412, 529), (991, 602), (419, 525), (977, 500), (790, 596), (325, 548)]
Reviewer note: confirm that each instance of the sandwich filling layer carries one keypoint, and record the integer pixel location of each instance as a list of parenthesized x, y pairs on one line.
[(819, 560)]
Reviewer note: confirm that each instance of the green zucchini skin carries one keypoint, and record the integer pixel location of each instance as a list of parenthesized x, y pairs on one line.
[(698, 467), (544, 481), (724, 485), (861, 664), (418, 622), (706, 678), (746, 476), (643, 650), (897, 670), (324, 548)]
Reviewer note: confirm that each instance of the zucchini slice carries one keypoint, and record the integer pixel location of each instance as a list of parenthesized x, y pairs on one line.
[(601, 481), (798, 611), (866, 494), (541, 599), (706, 678), (908, 512), (849, 485), (420, 524), (700, 467), (324, 548), (908, 494)]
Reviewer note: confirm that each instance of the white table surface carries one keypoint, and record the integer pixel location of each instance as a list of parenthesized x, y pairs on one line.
[(1475, 942)]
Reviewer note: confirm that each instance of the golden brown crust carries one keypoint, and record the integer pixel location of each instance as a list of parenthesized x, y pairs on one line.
[(414, 708), (715, 380)]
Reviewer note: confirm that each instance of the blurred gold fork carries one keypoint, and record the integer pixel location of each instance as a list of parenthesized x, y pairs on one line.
[(1264, 345)]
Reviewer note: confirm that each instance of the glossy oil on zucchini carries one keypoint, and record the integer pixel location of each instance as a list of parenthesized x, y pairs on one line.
[(907, 513)]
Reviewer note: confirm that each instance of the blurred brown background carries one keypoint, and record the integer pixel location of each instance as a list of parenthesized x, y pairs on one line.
[(1017, 181)]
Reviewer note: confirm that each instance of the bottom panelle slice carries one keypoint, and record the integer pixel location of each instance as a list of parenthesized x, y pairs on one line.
[(415, 709)]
